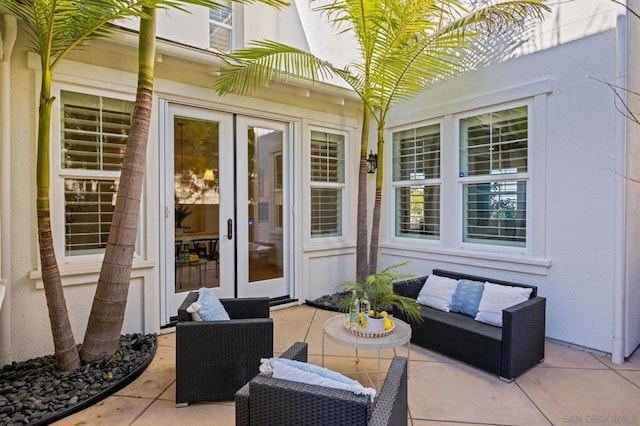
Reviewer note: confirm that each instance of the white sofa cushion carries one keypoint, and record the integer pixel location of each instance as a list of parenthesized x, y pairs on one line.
[(302, 372), (437, 292), (497, 297)]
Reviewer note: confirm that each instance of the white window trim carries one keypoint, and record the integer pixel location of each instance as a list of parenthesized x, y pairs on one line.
[(391, 206), (58, 174), (337, 241), (236, 38), (450, 247), (498, 248)]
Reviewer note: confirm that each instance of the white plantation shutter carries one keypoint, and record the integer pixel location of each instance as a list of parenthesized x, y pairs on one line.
[(327, 157), (418, 211), (494, 143), (494, 173), (94, 133), (88, 214), (495, 212), (326, 205), (416, 177), (327, 183), (417, 154)]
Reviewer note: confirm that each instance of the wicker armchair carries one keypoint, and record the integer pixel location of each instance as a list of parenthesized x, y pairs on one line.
[(267, 401), (216, 358)]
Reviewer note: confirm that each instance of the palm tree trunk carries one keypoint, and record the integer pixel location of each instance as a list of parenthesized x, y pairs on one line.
[(361, 238), (107, 313), (66, 351), (375, 226)]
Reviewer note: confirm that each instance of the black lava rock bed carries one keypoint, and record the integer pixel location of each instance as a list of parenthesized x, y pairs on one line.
[(34, 392), (332, 302), (329, 302)]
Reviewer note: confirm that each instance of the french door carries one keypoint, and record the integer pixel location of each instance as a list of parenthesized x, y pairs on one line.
[(225, 192), (262, 187)]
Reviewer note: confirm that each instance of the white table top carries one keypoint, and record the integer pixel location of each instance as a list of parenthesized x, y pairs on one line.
[(334, 329)]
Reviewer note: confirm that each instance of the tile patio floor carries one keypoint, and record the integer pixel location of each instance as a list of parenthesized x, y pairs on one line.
[(571, 387)]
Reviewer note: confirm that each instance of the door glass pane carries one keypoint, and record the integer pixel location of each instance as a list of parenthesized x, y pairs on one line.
[(197, 200), (265, 249)]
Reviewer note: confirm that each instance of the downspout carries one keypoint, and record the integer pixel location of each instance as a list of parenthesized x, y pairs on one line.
[(7, 40), (620, 210)]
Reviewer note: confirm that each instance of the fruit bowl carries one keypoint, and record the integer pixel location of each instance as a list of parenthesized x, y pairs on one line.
[(362, 332)]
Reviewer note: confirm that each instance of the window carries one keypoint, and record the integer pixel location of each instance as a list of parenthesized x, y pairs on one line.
[(94, 133), (492, 177), (416, 178), (221, 26), (327, 183), (493, 174)]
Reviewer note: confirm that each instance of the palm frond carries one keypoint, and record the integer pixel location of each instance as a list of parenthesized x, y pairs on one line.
[(438, 51), (215, 5), (379, 290), (57, 27), (266, 61)]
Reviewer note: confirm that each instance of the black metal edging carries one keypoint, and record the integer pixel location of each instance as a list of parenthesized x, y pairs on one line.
[(127, 380)]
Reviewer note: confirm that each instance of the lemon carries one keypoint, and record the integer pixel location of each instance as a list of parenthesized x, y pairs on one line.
[(387, 324)]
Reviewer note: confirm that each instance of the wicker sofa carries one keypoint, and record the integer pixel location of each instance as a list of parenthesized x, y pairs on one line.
[(216, 358), (267, 401), (507, 351)]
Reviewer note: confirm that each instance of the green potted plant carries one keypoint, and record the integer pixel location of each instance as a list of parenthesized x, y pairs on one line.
[(378, 289), (182, 212)]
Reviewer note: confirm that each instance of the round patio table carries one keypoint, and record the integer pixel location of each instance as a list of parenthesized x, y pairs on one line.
[(335, 330), (191, 264)]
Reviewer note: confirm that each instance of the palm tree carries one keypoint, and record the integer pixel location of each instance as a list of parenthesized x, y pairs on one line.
[(109, 303), (107, 313), (405, 46), (56, 27)]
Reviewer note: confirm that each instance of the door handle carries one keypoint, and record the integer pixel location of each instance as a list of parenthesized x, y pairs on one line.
[(230, 229)]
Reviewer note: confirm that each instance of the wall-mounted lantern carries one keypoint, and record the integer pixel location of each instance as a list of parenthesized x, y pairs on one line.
[(372, 162)]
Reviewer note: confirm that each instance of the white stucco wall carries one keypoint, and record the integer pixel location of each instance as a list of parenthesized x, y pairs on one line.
[(296, 25), (143, 308), (576, 200), (632, 303), (572, 200), (572, 20)]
